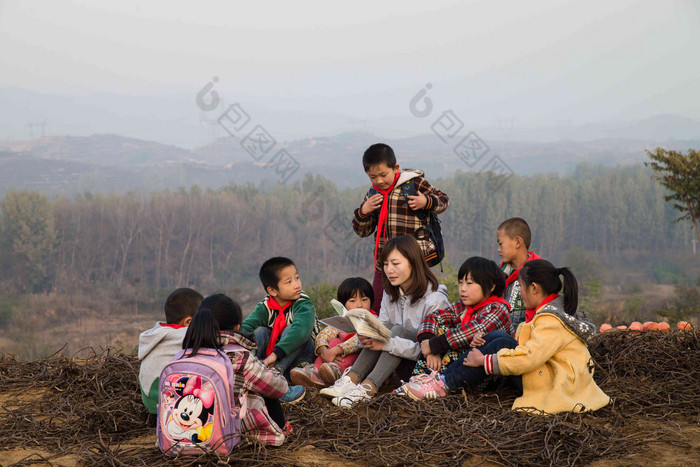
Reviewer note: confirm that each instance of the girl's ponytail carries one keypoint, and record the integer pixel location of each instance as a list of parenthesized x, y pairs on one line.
[(546, 275), (203, 332), (570, 291)]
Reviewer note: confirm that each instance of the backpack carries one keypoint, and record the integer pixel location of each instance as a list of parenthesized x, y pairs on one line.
[(430, 221), (196, 409)]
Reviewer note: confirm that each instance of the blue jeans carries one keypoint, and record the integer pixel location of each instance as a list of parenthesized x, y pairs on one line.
[(302, 354), (457, 375)]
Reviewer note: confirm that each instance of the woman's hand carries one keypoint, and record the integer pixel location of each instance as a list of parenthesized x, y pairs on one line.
[(371, 344), (434, 362), (425, 348), (474, 358), (334, 354), (478, 340)]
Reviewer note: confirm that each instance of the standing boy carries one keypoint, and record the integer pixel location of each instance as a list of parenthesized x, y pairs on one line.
[(389, 211), (158, 345), (284, 323), (514, 237)]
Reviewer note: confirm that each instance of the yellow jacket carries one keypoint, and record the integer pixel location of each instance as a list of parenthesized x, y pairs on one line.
[(554, 361)]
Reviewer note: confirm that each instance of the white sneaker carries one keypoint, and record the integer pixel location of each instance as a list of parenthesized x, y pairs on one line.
[(354, 396), (340, 387)]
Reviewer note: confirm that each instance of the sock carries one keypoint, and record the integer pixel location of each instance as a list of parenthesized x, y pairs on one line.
[(354, 377), (374, 389), (442, 378)]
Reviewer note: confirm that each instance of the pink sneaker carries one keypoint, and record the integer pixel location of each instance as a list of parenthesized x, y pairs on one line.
[(330, 372), (306, 376), (425, 387)]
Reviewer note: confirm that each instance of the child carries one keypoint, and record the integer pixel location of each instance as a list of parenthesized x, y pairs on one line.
[(513, 237), (481, 309), (386, 210), (217, 325), (411, 292), (158, 345), (336, 350), (550, 353), (285, 322)]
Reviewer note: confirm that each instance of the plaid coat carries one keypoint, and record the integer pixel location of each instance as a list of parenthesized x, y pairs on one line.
[(402, 219), (458, 335), (255, 379)]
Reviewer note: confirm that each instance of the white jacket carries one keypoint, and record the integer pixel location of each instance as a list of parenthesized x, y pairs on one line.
[(409, 316)]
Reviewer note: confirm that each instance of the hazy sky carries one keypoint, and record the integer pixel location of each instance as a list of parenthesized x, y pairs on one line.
[(553, 60)]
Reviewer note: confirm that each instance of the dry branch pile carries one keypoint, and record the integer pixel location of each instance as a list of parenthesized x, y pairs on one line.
[(91, 406)]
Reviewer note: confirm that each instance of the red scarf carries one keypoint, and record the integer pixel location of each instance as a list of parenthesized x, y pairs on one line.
[(514, 275), (473, 309), (279, 324), (383, 214), (174, 326), (529, 314)]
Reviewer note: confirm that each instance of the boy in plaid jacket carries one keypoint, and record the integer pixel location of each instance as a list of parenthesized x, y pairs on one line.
[(388, 213)]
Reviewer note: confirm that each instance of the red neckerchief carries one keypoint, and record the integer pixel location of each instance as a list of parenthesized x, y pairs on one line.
[(529, 314), (279, 324), (514, 275), (469, 314), (174, 326), (383, 214), (352, 334)]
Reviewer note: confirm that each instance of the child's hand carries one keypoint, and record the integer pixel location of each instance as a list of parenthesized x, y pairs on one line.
[(332, 355), (418, 201), (474, 358), (434, 362), (478, 340), (270, 360), (373, 203), (371, 344), (425, 348)]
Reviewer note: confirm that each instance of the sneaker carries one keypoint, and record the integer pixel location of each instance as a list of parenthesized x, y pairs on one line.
[(293, 395), (307, 377), (330, 372), (424, 386), (340, 387), (354, 396), (402, 391)]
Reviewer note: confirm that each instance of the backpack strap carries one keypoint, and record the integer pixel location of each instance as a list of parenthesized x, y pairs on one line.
[(408, 188)]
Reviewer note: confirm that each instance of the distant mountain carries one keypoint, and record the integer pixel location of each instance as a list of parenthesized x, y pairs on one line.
[(105, 150), (103, 163)]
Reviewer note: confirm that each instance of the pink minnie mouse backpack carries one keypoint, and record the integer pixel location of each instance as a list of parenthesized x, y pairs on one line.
[(196, 410)]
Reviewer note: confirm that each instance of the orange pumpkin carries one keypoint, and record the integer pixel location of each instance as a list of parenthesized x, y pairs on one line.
[(684, 326), (622, 327), (605, 327), (664, 327), (635, 326), (650, 326)]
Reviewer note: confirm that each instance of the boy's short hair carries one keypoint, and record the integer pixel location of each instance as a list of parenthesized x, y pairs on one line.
[(379, 153), (517, 227), (180, 304), (486, 273), (270, 269)]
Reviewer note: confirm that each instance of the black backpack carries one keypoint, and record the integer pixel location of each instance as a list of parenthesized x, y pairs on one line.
[(430, 221)]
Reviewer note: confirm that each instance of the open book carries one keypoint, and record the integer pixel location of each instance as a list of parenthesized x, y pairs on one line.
[(357, 320)]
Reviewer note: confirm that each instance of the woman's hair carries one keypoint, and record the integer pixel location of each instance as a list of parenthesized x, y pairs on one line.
[(216, 313), (350, 286), (544, 273), (486, 273), (421, 275)]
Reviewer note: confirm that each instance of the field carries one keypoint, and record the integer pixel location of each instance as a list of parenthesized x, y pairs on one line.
[(86, 410)]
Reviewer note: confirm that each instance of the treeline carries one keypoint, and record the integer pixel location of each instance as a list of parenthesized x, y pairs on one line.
[(215, 238)]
